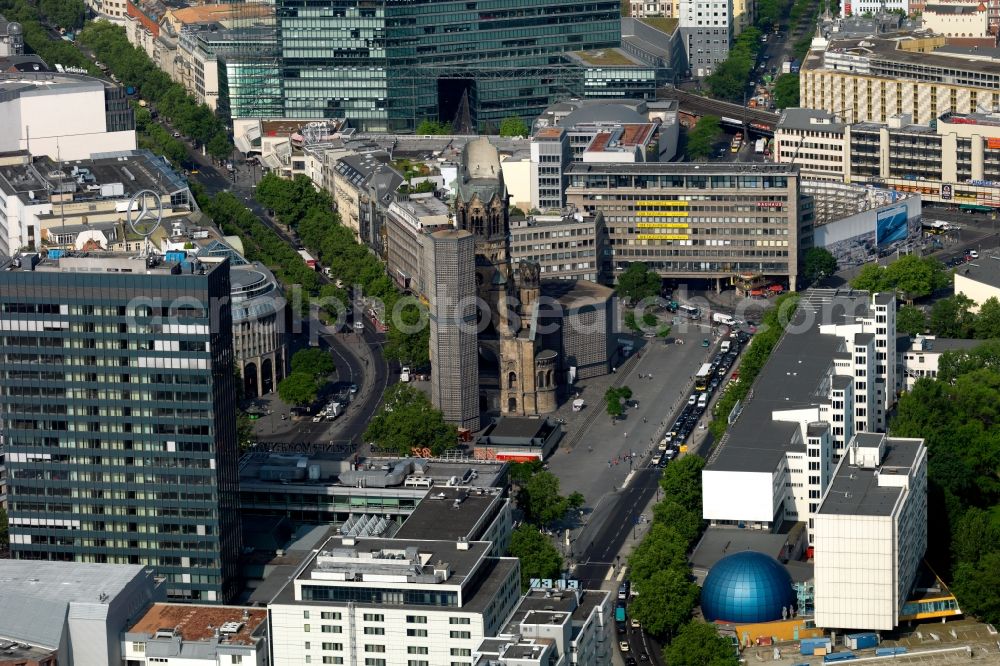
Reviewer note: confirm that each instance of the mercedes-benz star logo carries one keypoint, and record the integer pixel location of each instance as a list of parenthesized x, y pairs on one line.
[(144, 219)]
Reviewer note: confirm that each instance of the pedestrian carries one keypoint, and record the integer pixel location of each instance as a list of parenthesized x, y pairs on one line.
[(644, 419), (626, 435)]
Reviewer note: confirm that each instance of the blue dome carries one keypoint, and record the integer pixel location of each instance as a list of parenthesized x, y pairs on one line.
[(746, 587)]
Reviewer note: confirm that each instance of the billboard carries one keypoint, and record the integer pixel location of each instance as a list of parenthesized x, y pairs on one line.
[(993, 143), (890, 225)]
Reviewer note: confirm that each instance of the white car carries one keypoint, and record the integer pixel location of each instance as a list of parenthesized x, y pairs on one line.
[(318, 418), (693, 399), (624, 646), (974, 254), (359, 326)]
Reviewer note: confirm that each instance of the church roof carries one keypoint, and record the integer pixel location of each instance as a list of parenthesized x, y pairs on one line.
[(481, 173)]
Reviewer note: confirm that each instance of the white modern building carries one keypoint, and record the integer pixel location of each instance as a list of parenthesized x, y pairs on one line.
[(824, 381), (919, 357), (979, 280), (554, 627), (42, 200), (70, 611), (392, 601), (63, 116), (196, 635), (870, 533)]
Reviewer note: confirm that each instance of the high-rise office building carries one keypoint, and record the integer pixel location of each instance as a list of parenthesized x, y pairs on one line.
[(450, 271), (388, 65), (117, 393)]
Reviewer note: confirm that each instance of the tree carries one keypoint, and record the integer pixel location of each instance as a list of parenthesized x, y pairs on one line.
[(219, 146), (910, 276), (405, 345), (681, 482), (665, 601), (614, 397), (987, 321), (299, 389), (69, 14), (871, 278), (513, 126), (951, 318), (663, 331), (699, 644), (911, 320), (429, 126), (977, 585), (818, 263), (786, 91), (313, 361), (539, 558), (662, 548), (541, 502), (702, 138), (407, 420), (649, 320), (631, 323), (684, 521), (638, 282)]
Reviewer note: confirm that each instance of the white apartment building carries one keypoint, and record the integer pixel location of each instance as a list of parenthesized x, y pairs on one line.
[(919, 357), (195, 635), (957, 19), (115, 11), (381, 602), (823, 382), (554, 627), (870, 533)]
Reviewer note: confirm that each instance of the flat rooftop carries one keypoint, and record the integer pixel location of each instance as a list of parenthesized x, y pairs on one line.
[(578, 603), (576, 293), (686, 168), (448, 513), (199, 623), (605, 58), (985, 269), (791, 379), (855, 490), (107, 262)]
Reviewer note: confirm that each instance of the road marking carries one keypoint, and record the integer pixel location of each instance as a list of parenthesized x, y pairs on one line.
[(611, 571), (621, 575), (627, 479)]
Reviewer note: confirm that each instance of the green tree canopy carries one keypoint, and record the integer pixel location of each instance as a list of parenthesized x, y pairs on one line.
[(818, 263), (987, 321), (702, 138), (662, 548), (69, 14), (951, 317), (731, 79), (513, 126), (539, 558), (409, 340), (910, 276), (313, 361), (699, 644), (429, 126), (406, 420), (541, 502), (299, 389), (911, 320), (665, 601), (681, 482), (219, 146), (638, 282), (786, 91)]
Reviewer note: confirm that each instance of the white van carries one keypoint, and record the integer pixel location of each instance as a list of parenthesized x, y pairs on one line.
[(724, 319), (703, 400), (724, 347)]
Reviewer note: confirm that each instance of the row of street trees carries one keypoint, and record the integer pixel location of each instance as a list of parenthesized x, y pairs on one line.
[(134, 68), (62, 13), (702, 138), (772, 326), (543, 506), (952, 317), (299, 205), (731, 77), (659, 571)]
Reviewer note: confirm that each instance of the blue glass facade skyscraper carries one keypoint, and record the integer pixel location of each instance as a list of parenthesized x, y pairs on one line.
[(388, 65)]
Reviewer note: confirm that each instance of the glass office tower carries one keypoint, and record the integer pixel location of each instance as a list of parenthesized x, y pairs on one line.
[(117, 397), (388, 65)]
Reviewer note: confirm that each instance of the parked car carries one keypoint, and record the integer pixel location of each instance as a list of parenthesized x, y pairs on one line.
[(706, 343)]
